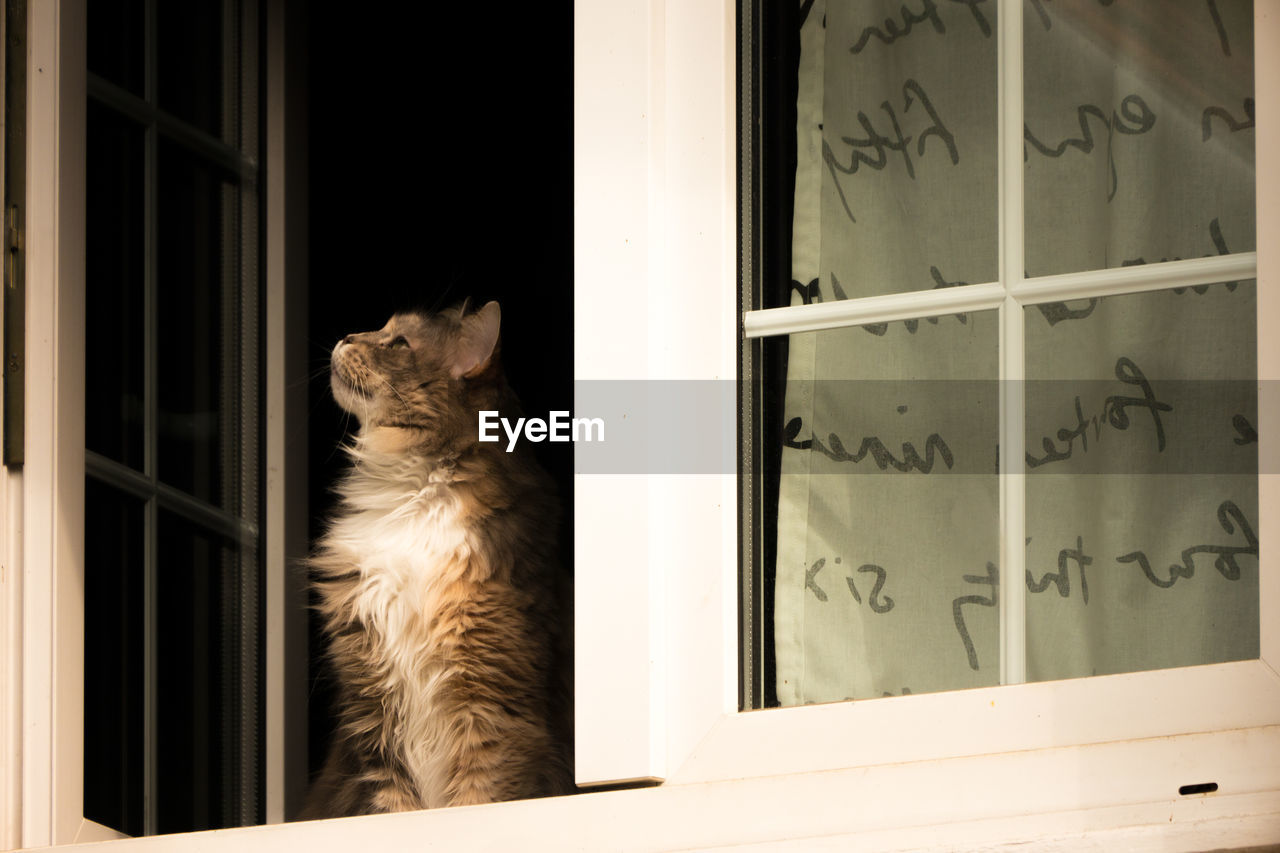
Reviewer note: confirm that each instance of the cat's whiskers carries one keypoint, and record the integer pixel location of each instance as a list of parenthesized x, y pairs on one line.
[(387, 382)]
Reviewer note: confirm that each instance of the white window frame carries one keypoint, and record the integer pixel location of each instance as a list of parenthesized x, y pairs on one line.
[(656, 558)]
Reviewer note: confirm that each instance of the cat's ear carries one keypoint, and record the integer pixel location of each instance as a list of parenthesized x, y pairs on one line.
[(478, 341)]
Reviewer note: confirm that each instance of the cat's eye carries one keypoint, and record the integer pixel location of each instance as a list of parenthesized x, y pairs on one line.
[(400, 342)]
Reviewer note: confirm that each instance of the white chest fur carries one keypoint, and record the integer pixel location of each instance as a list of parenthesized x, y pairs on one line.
[(410, 547)]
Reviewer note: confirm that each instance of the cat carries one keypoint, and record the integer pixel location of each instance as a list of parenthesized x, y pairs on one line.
[(438, 585)]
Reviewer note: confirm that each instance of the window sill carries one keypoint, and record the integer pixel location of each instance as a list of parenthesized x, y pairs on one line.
[(1100, 797)]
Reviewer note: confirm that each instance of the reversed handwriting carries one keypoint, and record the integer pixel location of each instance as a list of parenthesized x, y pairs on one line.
[(992, 580), (1233, 126), (1133, 117), (1226, 560), (1245, 433), (1229, 517), (810, 579), (892, 31), (1222, 30), (1114, 414), (882, 145), (928, 14), (934, 448), (1056, 312), (1062, 578), (878, 604)]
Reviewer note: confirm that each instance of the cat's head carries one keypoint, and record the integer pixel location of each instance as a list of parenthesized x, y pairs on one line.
[(420, 379)]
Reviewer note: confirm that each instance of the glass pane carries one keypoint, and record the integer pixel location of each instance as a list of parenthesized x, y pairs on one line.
[(895, 178), (113, 658), (189, 56), (116, 43), (1142, 499), (198, 678), (194, 344), (887, 510), (115, 273), (1139, 132)]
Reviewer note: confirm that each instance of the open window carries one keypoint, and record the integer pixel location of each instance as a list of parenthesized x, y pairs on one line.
[(172, 512), (183, 317)]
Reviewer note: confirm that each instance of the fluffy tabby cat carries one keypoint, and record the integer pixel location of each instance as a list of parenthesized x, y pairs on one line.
[(437, 583)]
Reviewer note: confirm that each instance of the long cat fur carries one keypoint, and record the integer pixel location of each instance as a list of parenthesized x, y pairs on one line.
[(438, 585)]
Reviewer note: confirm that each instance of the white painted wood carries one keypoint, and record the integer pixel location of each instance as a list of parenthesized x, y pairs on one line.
[(1178, 828), (693, 532), (618, 180), (1013, 495), (872, 309), (53, 476), (978, 297), (654, 298), (1139, 279), (617, 683), (38, 733), (1043, 715), (1077, 796), (1013, 491)]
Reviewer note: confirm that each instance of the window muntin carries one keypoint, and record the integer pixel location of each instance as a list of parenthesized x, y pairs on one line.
[(1123, 241)]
